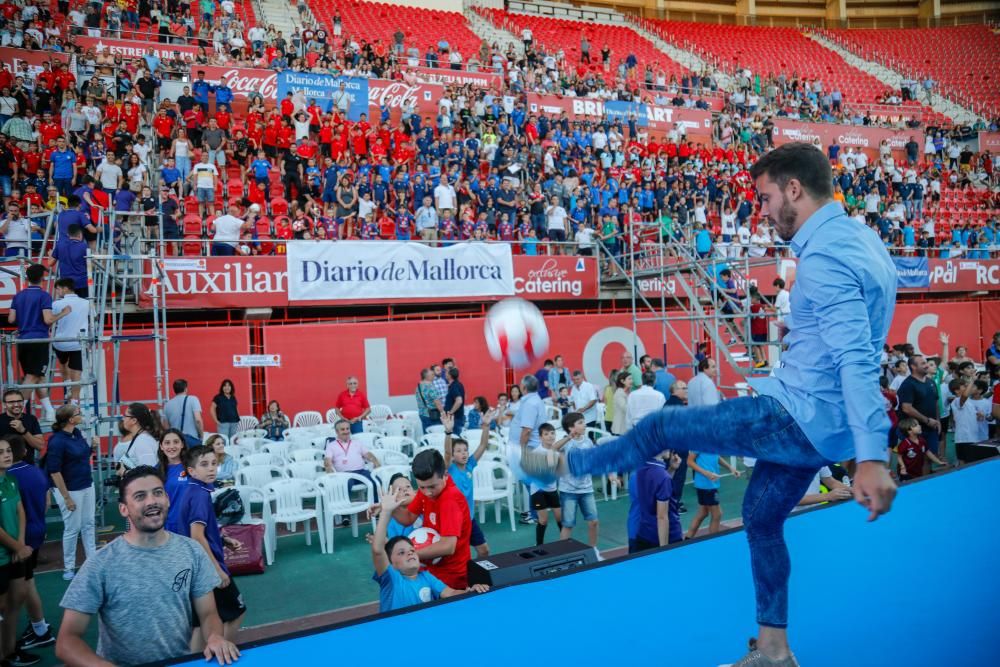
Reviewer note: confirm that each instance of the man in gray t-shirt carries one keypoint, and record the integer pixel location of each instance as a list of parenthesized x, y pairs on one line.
[(143, 588), (183, 412)]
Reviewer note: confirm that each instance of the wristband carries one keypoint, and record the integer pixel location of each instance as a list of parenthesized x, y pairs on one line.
[(447, 432)]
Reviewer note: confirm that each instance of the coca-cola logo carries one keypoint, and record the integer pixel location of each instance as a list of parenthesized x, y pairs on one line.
[(245, 83), (393, 95)]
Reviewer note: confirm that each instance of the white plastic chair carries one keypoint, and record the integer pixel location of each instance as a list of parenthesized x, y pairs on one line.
[(387, 457), (385, 473), (237, 452), (247, 423), (249, 434), (380, 414), (308, 470), (435, 440), (433, 429), (331, 416), (253, 496), (288, 496), (397, 428), (485, 489), (369, 440), (278, 451), (261, 459), (334, 488), (306, 455), (307, 418), (259, 476), (553, 412), (412, 419), (397, 443)]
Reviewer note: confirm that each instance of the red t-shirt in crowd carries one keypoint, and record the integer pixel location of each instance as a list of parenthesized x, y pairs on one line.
[(448, 514), (758, 320), (912, 454), (351, 407)]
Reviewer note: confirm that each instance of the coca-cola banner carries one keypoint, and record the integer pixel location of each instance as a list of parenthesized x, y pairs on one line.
[(989, 141), (395, 95), (245, 82), (867, 139), (248, 282), (697, 124), (32, 60), (453, 77), (131, 48)]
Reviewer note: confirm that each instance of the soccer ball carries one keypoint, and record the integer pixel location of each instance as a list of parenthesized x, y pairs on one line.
[(422, 537), (516, 333)]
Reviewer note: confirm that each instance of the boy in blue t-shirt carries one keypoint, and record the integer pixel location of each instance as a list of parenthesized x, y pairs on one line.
[(706, 484), (196, 519), (261, 168), (460, 466), (397, 566)]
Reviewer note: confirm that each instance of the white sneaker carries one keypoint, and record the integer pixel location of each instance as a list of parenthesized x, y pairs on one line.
[(68, 575)]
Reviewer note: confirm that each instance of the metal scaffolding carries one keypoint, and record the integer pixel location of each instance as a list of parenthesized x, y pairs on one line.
[(119, 273), (670, 285)]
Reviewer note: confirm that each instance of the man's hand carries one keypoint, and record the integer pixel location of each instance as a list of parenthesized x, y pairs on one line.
[(489, 417), (478, 588), (222, 649), (737, 474), (934, 424), (873, 488)]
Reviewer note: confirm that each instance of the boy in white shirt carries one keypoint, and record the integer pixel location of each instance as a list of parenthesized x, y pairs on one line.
[(969, 413), (585, 240), (576, 491)]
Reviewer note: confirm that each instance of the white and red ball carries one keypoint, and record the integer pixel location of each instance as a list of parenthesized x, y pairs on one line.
[(516, 333), (424, 537)]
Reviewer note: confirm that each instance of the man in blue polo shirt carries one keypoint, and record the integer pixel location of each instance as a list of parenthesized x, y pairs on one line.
[(73, 214), (200, 89), (62, 167), (31, 311), (71, 259), (223, 96), (653, 520)]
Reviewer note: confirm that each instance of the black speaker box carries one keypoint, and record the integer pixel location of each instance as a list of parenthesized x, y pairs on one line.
[(533, 563)]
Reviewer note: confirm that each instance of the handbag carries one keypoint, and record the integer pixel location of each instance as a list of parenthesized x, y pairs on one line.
[(249, 558), (432, 413), (191, 440)]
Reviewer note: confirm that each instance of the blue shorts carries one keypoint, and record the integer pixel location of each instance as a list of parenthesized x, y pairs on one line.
[(570, 501), (708, 497), (477, 537)]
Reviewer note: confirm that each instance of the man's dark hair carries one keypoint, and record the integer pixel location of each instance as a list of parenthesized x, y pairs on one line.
[(658, 363), (964, 365), (393, 541), (704, 363), (180, 386), (800, 161), (135, 473), (67, 283), (912, 361), (396, 476), (779, 283), (549, 362), (446, 361), (12, 391), (643, 358), (427, 464), (192, 455), (453, 373), (648, 378), (35, 273)]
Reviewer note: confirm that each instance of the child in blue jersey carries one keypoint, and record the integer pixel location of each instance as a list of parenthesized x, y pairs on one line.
[(706, 484), (460, 466), (400, 483), (397, 567), (171, 457), (196, 519), (261, 168)]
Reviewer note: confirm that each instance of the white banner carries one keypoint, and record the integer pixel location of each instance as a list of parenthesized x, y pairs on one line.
[(355, 270)]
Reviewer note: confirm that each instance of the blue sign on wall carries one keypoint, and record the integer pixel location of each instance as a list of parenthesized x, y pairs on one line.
[(326, 90)]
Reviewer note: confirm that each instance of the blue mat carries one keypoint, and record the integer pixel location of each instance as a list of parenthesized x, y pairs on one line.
[(917, 587)]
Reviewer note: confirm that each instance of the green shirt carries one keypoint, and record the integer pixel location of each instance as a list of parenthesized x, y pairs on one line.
[(9, 498)]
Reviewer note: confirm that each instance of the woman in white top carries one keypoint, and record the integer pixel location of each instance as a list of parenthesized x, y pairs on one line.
[(180, 149), (623, 385), (138, 446), (137, 174)]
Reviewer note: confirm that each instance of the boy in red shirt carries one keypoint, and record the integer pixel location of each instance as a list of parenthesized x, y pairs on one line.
[(443, 508), (758, 329), (912, 451)]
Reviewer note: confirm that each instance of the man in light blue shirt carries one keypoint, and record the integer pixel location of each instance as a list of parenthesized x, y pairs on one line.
[(823, 404), (664, 378)]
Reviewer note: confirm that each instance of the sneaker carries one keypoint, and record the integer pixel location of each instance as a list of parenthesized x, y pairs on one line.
[(542, 465), (757, 659), (68, 575), (682, 510), (31, 640), (527, 520), (22, 659)]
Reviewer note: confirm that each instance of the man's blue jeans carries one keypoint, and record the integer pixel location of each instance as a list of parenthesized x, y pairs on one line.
[(747, 426)]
